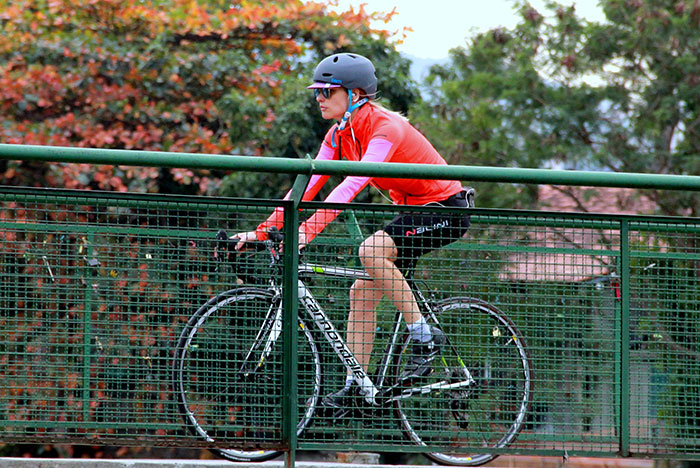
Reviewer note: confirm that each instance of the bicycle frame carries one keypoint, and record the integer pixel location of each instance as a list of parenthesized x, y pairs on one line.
[(314, 310)]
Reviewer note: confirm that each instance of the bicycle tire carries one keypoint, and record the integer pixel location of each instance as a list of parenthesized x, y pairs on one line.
[(239, 415), (482, 417)]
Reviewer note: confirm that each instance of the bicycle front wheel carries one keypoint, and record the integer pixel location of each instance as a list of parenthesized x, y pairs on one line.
[(228, 375), (463, 422)]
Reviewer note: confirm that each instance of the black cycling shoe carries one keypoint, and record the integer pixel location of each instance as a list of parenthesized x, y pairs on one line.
[(342, 399), (422, 355)]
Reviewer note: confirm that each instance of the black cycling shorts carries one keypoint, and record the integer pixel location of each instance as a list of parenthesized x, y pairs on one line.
[(416, 234)]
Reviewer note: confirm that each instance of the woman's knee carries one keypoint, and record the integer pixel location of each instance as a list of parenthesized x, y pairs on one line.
[(377, 246), (360, 289), (360, 285)]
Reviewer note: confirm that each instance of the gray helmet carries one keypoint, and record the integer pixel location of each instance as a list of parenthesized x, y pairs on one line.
[(349, 71)]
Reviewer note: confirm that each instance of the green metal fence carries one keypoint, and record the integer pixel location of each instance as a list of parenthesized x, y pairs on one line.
[(97, 288)]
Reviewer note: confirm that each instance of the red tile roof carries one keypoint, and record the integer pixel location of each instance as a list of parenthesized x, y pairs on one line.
[(609, 200), (569, 254)]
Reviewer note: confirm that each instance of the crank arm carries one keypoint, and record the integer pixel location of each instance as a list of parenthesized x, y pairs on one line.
[(402, 394)]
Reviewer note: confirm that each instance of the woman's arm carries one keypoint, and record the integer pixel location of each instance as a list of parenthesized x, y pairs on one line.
[(276, 219), (378, 150)]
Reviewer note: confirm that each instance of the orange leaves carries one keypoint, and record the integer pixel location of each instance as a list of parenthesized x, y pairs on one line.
[(55, 6), (197, 17), (263, 73), (31, 88), (100, 139), (267, 69), (155, 75)]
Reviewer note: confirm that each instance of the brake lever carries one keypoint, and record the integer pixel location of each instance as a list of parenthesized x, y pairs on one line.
[(274, 239), (223, 250), (275, 235)]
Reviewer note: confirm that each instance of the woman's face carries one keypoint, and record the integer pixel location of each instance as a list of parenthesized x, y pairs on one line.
[(334, 106)]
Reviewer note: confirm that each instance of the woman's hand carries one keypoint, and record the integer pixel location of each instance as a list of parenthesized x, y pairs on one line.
[(252, 236), (302, 240), (244, 237)]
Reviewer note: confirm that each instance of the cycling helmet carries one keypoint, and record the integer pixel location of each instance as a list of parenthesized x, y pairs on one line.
[(347, 70)]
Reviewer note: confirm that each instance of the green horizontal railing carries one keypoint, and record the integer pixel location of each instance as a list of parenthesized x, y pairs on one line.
[(97, 288), (342, 168)]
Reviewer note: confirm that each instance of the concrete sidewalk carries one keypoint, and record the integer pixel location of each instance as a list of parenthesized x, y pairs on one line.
[(501, 462), (105, 463)]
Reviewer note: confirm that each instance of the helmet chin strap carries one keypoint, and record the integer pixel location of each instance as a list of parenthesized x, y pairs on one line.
[(346, 115)]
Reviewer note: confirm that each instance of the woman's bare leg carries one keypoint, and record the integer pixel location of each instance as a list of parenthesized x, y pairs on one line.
[(378, 254), (362, 320)]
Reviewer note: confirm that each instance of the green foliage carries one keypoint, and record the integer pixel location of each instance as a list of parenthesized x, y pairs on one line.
[(561, 91)]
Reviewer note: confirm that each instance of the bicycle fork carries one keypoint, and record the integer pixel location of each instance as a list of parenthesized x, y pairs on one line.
[(272, 326)]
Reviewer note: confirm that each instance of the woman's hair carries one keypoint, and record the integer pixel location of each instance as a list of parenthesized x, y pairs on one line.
[(380, 107)]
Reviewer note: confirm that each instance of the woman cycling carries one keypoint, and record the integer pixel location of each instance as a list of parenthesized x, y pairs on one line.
[(345, 86)]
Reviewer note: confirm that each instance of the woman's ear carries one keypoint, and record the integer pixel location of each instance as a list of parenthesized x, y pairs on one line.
[(355, 96)]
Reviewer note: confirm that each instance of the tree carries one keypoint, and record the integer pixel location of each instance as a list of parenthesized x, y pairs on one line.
[(622, 95), (558, 90), (202, 76)]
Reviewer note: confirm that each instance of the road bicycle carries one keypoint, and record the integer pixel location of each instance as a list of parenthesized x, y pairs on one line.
[(228, 370)]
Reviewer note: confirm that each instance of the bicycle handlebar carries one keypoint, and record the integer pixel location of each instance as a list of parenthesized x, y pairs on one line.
[(225, 248)]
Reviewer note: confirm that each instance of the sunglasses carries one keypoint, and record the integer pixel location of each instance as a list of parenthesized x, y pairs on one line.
[(325, 92)]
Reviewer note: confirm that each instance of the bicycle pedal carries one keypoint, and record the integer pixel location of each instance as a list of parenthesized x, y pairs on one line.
[(459, 404), (335, 414)]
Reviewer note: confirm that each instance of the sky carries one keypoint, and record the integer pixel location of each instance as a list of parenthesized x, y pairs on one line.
[(439, 25)]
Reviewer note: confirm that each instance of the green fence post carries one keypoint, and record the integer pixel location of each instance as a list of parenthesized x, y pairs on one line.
[(617, 344), (290, 296), (87, 326), (625, 275)]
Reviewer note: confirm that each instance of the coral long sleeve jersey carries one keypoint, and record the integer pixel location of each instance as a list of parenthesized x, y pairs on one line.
[(375, 136)]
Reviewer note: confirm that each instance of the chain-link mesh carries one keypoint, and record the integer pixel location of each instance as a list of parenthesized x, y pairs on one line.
[(665, 337), (96, 291), (125, 322)]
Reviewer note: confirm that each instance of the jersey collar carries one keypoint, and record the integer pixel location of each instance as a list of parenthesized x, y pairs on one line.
[(357, 121)]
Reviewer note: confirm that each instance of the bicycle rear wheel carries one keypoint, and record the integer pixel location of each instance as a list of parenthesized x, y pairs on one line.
[(229, 387), (463, 422)]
